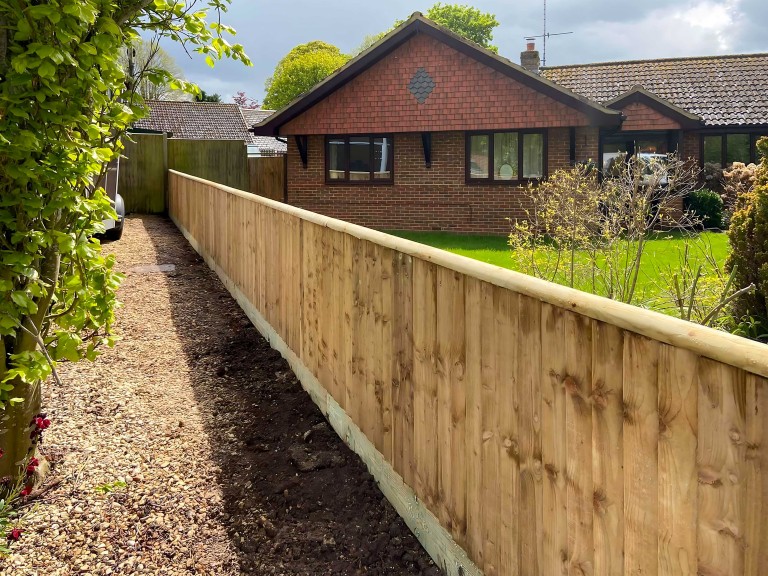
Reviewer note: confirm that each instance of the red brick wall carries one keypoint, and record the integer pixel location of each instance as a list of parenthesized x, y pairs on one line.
[(467, 96), (421, 198), (642, 117), (690, 147)]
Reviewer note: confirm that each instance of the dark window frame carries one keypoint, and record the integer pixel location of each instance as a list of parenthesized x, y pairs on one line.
[(519, 180), (754, 136), (371, 181)]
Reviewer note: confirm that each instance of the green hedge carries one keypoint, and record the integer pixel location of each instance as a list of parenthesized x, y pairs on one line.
[(708, 206)]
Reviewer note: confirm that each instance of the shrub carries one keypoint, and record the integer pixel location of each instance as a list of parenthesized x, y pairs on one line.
[(713, 176), (707, 206), (748, 234), (736, 181)]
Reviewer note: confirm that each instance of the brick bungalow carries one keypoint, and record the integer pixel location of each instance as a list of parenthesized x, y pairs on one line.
[(712, 109), (426, 130)]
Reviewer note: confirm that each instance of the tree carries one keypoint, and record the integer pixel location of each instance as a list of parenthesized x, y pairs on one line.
[(203, 96), (369, 41), (245, 101), (300, 70), (144, 57), (465, 21), (64, 104)]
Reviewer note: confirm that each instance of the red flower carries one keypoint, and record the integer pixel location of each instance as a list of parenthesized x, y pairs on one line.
[(32, 464), (15, 534), (1, 452), (26, 491), (39, 422), (46, 423)]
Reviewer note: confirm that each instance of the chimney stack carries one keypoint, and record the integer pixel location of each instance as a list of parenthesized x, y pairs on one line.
[(530, 58)]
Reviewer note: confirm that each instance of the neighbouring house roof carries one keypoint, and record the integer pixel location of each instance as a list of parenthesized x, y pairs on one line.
[(263, 143), (418, 24), (196, 120), (721, 90)]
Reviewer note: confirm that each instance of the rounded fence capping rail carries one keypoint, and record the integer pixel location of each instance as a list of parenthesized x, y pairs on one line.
[(735, 350)]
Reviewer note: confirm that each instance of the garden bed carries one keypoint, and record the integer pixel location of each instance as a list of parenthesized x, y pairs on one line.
[(191, 448)]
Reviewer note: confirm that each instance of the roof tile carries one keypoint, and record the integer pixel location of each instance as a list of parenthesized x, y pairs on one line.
[(196, 120), (722, 90)]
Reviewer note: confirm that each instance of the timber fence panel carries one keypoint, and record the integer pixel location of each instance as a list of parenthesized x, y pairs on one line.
[(266, 176), (519, 427), (220, 161), (143, 172)]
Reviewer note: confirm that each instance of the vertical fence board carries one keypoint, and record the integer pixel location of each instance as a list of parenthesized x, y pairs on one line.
[(354, 262), (722, 474), (451, 396), (607, 444), (512, 372), (424, 384), (491, 447), (386, 257), (336, 332), (678, 481), (474, 424), (578, 418), (529, 390), (641, 438), (553, 441), (324, 306), (756, 531), (402, 372)]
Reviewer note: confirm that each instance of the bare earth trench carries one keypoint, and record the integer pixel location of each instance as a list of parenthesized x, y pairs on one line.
[(190, 448)]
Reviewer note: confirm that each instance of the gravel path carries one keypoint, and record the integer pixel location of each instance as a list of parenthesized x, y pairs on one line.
[(190, 448)]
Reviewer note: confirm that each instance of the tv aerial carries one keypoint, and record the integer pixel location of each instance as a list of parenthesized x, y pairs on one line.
[(544, 37)]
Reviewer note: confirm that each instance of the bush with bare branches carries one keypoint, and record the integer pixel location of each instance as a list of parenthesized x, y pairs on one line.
[(592, 235)]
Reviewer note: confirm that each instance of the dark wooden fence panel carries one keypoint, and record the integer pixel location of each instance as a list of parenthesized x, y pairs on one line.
[(142, 173), (220, 161), (267, 177)]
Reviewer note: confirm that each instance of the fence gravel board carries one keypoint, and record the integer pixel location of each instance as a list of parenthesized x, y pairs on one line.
[(549, 431)]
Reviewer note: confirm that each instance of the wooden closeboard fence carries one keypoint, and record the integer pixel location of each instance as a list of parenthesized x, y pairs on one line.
[(142, 174), (222, 161), (267, 176), (520, 427)]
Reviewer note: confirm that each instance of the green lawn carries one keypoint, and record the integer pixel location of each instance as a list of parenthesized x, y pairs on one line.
[(662, 254)]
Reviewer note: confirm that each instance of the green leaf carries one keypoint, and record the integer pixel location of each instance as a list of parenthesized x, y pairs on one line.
[(47, 69)]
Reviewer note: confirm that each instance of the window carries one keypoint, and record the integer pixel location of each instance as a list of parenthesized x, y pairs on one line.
[(713, 150), (737, 148), (723, 150), (506, 156), (359, 159)]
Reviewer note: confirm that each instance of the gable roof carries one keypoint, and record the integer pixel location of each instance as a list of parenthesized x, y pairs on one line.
[(263, 143), (418, 24), (721, 90), (643, 96), (196, 120)]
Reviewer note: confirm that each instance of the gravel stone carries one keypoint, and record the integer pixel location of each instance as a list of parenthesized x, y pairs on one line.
[(171, 454)]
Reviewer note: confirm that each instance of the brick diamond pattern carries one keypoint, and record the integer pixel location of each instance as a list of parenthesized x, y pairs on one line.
[(421, 85)]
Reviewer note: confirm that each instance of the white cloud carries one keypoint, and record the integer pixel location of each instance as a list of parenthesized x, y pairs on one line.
[(718, 18), (698, 28)]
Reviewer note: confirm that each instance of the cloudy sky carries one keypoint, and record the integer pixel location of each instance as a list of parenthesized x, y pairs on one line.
[(603, 30)]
